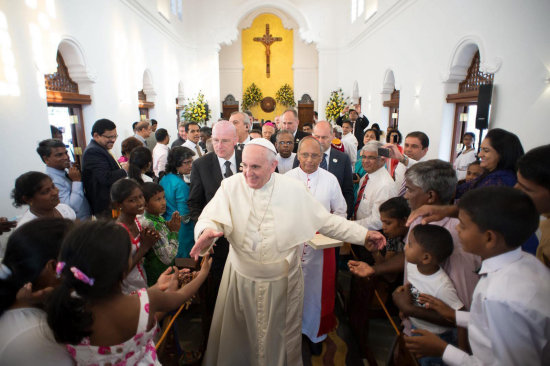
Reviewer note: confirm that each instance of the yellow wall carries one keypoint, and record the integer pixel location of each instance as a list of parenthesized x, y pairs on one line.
[(253, 56)]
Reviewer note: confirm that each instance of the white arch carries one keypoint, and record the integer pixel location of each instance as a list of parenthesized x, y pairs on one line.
[(75, 60), (249, 10), (148, 86), (461, 58), (388, 84), (355, 92)]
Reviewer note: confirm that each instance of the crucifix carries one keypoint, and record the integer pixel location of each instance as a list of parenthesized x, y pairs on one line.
[(267, 40)]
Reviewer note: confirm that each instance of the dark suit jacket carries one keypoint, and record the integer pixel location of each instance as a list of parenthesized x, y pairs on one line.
[(360, 125), (298, 137), (339, 164), (99, 172)]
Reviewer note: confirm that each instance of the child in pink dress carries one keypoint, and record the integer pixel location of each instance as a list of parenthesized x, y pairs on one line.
[(89, 312)]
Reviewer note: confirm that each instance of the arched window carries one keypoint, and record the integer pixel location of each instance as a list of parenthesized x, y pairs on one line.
[(466, 103), (65, 108)]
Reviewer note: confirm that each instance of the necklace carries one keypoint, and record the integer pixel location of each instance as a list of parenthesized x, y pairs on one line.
[(266, 208)]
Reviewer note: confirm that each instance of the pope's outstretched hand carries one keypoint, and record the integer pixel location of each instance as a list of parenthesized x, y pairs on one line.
[(374, 241), (204, 241)]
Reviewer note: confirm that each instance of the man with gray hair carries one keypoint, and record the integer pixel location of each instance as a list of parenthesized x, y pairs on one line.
[(265, 217), (376, 187), (289, 121), (242, 124)]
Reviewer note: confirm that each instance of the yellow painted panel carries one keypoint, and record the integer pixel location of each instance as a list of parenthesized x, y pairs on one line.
[(254, 60)]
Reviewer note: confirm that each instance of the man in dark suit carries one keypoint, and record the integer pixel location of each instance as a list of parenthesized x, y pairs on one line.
[(100, 169), (359, 123), (290, 122), (207, 174), (336, 162)]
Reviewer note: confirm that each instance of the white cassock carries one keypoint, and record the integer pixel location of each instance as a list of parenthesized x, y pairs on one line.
[(462, 162), (258, 314), (350, 147), (324, 186), (285, 164)]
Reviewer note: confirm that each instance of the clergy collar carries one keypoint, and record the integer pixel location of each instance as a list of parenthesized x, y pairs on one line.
[(301, 171), (500, 261)]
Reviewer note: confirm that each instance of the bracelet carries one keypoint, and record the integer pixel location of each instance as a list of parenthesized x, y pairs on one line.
[(405, 160)]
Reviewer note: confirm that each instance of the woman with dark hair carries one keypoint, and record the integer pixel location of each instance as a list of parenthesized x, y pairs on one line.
[(466, 156), (27, 272), (176, 191), (140, 163), (126, 148), (500, 151), (394, 137), (37, 190)]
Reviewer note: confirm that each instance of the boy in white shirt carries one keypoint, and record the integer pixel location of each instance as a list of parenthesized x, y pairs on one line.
[(509, 319), (427, 247)]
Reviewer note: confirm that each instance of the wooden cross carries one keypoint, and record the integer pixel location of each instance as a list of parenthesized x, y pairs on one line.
[(267, 40)]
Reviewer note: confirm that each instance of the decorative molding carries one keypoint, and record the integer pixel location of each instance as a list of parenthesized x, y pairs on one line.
[(230, 100), (153, 20), (306, 99), (462, 55), (60, 80), (288, 22), (60, 97)]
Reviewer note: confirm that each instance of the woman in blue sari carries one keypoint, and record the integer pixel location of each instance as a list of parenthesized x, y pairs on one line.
[(176, 191)]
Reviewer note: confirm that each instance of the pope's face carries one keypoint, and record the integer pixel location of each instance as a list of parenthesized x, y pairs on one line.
[(257, 168)]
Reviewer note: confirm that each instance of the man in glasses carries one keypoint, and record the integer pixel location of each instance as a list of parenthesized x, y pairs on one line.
[(100, 169), (285, 148), (318, 266)]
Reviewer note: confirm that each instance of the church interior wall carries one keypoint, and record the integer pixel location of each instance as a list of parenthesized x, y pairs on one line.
[(119, 41), (418, 45)]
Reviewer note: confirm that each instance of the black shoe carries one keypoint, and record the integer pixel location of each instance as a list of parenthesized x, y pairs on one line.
[(315, 348)]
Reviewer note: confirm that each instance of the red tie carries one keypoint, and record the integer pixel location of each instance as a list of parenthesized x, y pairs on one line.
[(360, 195)]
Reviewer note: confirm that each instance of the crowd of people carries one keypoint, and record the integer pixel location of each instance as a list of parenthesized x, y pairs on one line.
[(465, 247)]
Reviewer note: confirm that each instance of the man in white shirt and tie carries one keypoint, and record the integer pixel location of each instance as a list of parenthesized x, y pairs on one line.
[(242, 124), (193, 136), (375, 187)]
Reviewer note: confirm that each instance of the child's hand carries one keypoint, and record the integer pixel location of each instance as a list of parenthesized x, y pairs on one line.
[(148, 237), (175, 222), (374, 241), (360, 269), (402, 297), (434, 303), (168, 280), (427, 344), (205, 265), (27, 296)]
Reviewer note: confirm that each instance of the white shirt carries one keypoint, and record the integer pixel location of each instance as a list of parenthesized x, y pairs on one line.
[(380, 187), (160, 156), (26, 339), (191, 145), (438, 285), (285, 164), (462, 162), (399, 173), (65, 210), (509, 320), (233, 165), (350, 148)]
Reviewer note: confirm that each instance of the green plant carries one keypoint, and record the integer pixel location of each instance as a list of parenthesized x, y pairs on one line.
[(335, 105), (196, 110), (252, 96), (285, 96)]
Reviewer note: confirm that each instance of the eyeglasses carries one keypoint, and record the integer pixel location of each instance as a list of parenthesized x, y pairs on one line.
[(113, 137), (308, 155), (287, 143)]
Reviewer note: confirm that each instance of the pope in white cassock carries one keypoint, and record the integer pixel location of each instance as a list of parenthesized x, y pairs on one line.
[(318, 266), (265, 217)]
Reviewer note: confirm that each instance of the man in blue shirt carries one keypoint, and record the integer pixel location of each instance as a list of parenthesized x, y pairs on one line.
[(69, 182)]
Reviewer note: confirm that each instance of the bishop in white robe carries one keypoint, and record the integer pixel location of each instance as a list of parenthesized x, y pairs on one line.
[(265, 216)]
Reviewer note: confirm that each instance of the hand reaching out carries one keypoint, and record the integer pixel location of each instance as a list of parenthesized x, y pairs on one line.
[(432, 213), (361, 269), (175, 222), (204, 241), (439, 306), (374, 241), (168, 280), (27, 296)]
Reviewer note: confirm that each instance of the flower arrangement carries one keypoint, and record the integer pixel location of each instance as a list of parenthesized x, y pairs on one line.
[(285, 96), (252, 96), (336, 104), (196, 110)]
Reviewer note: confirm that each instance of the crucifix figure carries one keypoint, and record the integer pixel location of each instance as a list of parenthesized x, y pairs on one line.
[(267, 40)]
